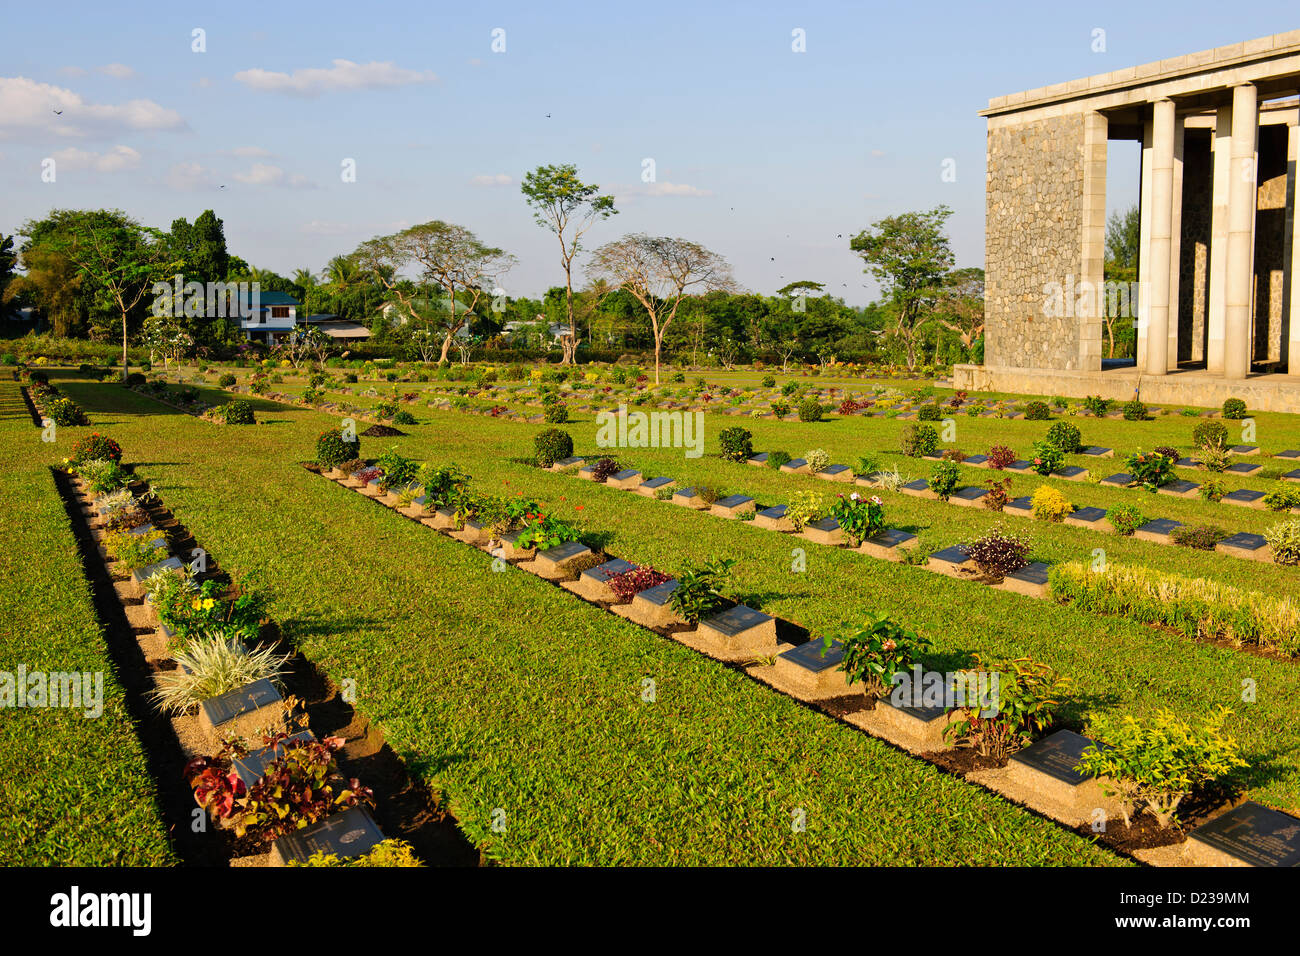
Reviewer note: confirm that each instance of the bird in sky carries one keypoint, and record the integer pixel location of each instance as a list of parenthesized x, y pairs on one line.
[(58, 112), (548, 115)]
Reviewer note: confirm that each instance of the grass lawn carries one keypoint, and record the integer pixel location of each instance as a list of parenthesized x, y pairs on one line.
[(75, 790), (506, 692)]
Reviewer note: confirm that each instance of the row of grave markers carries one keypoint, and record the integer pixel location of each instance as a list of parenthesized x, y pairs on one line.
[(245, 712)]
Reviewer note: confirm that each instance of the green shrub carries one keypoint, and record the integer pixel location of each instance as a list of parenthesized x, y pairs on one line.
[(1135, 411), (1028, 695), (810, 410), (556, 413), (1126, 519), (817, 459), (1197, 608), (1234, 409), (332, 450), (1284, 540), (919, 440), (389, 853), (1037, 412), (929, 413), (737, 444), (551, 445), (875, 651), (775, 459), (698, 591), (1047, 458), (859, 518), (1151, 470), (1097, 405), (1210, 434), (944, 479), (769, 381), (1158, 762), (780, 409), (95, 447), (226, 380), (805, 508), (1065, 436), (64, 411), (1212, 490), (1201, 537), (239, 412), (403, 418), (1282, 499)]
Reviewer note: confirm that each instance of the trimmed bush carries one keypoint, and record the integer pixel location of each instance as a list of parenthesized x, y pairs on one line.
[(1037, 412), (944, 479), (557, 413), (226, 380), (1064, 436), (1048, 504), (1210, 434), (1135, 411), (929, 413), (1126, 519), (239, 412), (332, 450), (775, 459), (96, 447), (919, 440), (810, 410), (551, 445), (1234, 409), (1202, 537), (737, 444), (1282, 499)]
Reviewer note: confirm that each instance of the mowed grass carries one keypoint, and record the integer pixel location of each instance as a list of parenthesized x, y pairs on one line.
[(74, 791), (524, 704)]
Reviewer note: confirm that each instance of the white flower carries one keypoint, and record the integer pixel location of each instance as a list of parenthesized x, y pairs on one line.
[(854, 496)]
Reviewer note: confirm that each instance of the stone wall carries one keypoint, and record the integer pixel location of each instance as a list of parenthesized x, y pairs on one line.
[(1270, 245), (1035, 217)]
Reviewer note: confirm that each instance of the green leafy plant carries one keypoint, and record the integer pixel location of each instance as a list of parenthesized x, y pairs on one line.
[(1284, 541), (805, 508), (775, 459), (736, 443), (556, 413), (389, 853), (398, 470), (1150, 470), (810, 410), (238, 412), (780, 409), (1212, 490), (1201, 537), (859, 518), (1047, 458), (1037, 412), (1210, 434), (1135, 411), (698, 592), (132, 550), (545, 531), (95, 447), (1156, 763), (1282, 499), (944, 479), (918, 441), (551, 445), (929, 413), (1028, 694), (332, 449), (1126, 519), (1065, 437), (875, 651), (1234, 409), (817, 459)]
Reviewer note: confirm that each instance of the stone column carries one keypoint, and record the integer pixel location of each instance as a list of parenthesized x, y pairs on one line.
[(1175, 243), (1143, 311), (1162, 186), (1092, 269), (1293, 260), (1218, 265), (1241, 233)]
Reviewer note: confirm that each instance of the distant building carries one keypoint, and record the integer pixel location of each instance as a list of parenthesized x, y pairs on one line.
[(274, 318), (337, 327)]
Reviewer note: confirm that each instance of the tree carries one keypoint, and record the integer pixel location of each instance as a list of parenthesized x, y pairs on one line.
[(8, 259), (118, 257), (960, 307), (1123, 242), (657, 271), (909, 256), (448, 255), (568, 207), (52, 284)]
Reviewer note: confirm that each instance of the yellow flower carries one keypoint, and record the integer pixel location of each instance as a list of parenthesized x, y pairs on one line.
[(208, 604)]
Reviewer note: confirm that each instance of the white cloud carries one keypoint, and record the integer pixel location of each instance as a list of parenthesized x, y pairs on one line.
[(660, 189), (118, 71), (265, 174), (491, 179), (247, 151), (27, 106), (189, 176), (113, 161), (343, 75)]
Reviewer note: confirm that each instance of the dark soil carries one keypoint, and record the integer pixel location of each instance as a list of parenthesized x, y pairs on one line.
[(383, 431)]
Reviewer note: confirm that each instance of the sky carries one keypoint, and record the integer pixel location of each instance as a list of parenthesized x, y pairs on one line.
[(701, 118)]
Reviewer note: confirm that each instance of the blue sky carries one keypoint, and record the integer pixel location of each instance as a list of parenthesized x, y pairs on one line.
[(760, 153)]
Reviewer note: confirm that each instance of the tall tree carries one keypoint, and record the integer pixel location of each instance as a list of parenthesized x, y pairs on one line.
[(568, 207), (119, 258), (658, 271), (450, 256), (909, 256), (960, 307)]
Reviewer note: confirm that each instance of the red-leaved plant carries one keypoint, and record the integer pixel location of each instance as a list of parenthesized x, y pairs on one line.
[(629, 584), (1000, 456)]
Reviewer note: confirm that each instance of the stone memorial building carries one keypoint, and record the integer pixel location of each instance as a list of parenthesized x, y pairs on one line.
[(1216, 306)]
